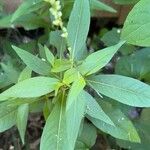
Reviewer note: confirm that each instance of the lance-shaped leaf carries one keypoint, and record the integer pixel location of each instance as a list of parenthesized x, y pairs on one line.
[(75, 90), (11, 72), (123, 89), (29, 88), (22, 118), (59, 42), (87, 137), (34, 63), (74, 115), (70, 76), (135, 30), (93, 109), (25, 74), (23, 109), (99, 59), (123, 128), (49, 55), (27, 7), (7, 116), (78, 26), (61, 65), (54, 136)]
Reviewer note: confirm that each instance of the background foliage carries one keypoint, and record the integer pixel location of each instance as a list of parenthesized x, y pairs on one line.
[(84, 90)]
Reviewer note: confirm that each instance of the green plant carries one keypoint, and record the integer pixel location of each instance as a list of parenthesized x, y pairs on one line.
[(69, 89)]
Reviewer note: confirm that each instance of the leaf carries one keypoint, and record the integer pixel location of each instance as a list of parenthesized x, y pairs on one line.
[(27, 7), (95, 4), (59, 42), (135, 27), (142, 126), (25, 74), (37, 107), (31, 21), (33, 62), (98, 60), (75, 90), (70, 76), (47, 108), (41, 51), (136, 65), (22, 117), (49, 55), (123, 128), (82, 54), (123, 89), (7, 116), (61, 65), (11, 72), (94, 110), (74, 115), (87, 138), (113, 37), (5, 21), (4, 82), (54, 135), (30, 88), (21, 101), (78, 26)]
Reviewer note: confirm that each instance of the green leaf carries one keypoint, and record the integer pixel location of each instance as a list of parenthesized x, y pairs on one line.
[(31, 21), (7, 116), (98, 60), (27, 7), (33, 62), (94, 110), (61, 65), (135, 27), (22, 117), (123, 89), (59, 42), (87, 138), (142, 126), (47, 108), (95, 4), (21, 101), (78, 26), (41, 51), (11, 72), (123, 128), (75, 90), (37, 107), (70, 76), (54, 135), (29, 88), (4, 82), (113, 37), (5, 21), (74, 115), (25, 74), (136, 65), (49, 55)]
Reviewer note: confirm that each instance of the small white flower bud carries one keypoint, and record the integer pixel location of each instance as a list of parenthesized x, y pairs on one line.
[(69, 49), (64, 35)]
